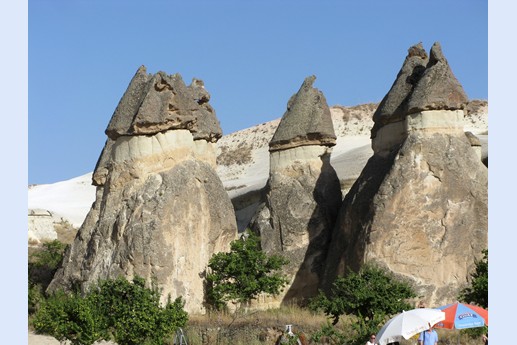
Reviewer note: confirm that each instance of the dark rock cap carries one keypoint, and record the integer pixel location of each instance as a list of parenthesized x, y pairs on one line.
[(438, 88), (307, 120), (393, 106), (160, 102)]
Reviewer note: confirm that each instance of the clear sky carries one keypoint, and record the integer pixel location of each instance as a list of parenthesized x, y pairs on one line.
[(252, 56)]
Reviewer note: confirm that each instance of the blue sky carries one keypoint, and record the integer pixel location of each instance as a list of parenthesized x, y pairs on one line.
[(252, 56)]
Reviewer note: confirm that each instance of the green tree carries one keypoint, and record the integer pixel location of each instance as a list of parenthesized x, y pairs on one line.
[(43, 264), (243, 273), (477, 292), (126, 312), (368, 294)]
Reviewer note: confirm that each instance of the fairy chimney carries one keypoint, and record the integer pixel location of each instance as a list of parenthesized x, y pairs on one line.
[(302, 193), (419, 207), (160, 211)]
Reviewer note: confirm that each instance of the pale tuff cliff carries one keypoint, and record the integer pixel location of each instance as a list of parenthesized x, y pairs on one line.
[(160, 210), (303, 194), (419, 207)]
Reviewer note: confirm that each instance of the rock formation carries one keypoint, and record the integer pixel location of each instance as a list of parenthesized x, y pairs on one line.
[(303, 194), (160, 211), (419, 207)]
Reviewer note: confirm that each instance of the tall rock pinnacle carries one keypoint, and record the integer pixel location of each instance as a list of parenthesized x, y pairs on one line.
[(161, 210), (420, 206), (303, 192)]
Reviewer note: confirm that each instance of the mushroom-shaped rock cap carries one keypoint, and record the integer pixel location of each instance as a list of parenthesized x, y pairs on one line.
[(393, 106), (307, 120), (160, 102), (438, 88)]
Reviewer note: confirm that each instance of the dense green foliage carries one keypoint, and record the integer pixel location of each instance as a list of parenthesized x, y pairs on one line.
[(128, 313), (69, 317), (370, 296), (49, 256), (372, 291), (328, 334), (477, 293), (43, 264), (243, 273)]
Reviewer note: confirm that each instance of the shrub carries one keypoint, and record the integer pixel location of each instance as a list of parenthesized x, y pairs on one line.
[(364, 294), (69, 317), (43, 264), (477, 292), (369, 295), (243, 273), (328, 334), (128, 313)]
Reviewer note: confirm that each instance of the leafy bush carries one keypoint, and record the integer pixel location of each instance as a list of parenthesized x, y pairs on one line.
[(370, 296), (328, 334), (128, 313), (69, 317), (478, 291), (243, 273), (365, 294), (36, 296), (43, 264)]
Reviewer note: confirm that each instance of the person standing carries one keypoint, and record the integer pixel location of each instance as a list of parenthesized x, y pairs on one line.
[(371, 341), (429, 337)]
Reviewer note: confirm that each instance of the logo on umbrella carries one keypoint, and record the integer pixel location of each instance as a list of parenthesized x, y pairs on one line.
[(462, 316)]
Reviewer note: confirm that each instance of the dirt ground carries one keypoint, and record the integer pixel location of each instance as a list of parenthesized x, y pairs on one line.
[(37, 339)]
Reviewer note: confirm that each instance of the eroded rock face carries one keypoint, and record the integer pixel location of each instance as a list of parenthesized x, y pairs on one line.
[(302, 194), (421, 212), (160, 211), (420, 206)]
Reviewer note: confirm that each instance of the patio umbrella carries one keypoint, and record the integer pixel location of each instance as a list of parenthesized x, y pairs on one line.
[(460, 316), (408, 323)]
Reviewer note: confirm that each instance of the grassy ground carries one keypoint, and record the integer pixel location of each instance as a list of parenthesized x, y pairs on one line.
[(266, 327)]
